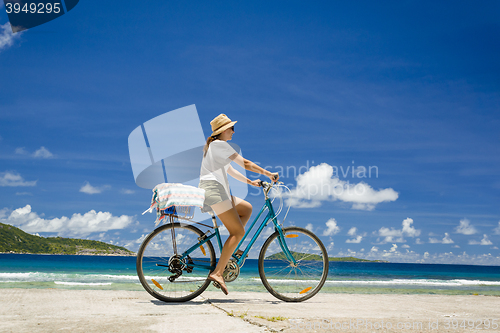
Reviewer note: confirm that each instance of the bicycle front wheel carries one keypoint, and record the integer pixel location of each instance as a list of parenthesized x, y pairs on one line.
[(288, 281), (162, 270)]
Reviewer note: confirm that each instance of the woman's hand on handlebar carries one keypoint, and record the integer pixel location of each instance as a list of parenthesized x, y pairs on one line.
[(255, 182), (274, 177)]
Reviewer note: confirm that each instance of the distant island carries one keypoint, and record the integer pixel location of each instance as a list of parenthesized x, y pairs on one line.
[(298, 255), (14, 240)]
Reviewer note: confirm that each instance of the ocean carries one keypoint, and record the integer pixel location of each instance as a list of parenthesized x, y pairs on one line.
[(118, 273)]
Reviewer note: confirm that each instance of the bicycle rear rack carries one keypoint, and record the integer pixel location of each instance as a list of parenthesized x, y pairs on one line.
[(183, 212), (176, 213)]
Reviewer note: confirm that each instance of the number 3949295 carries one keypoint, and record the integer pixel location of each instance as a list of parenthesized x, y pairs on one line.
[(33, 8)]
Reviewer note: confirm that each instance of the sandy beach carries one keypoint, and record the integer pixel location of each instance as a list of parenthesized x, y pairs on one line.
[(51, 310)]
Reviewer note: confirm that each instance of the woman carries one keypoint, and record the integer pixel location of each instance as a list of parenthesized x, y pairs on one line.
[(234, 212)]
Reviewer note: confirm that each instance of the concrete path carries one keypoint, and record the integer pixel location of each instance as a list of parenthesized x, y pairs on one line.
[(57, 310)]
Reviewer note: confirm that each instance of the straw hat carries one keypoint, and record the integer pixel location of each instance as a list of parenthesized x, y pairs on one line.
[(220, 124)]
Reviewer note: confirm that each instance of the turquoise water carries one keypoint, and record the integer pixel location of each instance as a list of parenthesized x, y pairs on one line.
[(118, 273)]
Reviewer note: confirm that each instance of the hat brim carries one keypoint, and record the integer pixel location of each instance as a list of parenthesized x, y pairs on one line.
[(223, 128)]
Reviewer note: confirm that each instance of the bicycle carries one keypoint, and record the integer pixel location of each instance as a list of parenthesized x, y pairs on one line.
[(174, 261)]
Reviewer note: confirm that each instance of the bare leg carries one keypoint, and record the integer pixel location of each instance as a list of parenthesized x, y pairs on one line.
[(244, 209), (233, 224)]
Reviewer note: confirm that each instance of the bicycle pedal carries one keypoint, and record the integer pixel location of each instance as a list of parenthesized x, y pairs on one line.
[(216, 284)]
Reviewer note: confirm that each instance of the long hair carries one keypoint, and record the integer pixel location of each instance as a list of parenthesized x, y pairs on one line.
[(209, 141)]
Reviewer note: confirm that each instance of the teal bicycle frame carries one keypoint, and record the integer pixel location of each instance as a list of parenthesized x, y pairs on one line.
[(239, 260)]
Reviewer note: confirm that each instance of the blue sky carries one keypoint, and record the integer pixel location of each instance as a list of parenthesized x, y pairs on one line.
[(411, 89)]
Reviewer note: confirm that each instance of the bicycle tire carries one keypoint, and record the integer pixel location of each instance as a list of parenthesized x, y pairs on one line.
[(281, 278), (157, 249)]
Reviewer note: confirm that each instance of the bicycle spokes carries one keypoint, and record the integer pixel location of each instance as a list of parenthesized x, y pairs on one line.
[(294, 267), (175, 277)]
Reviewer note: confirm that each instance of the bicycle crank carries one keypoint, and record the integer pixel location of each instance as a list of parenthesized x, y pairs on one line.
[(232, 271)]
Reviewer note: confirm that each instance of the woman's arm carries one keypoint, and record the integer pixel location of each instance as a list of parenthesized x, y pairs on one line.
[(238, 176), (251, 166)]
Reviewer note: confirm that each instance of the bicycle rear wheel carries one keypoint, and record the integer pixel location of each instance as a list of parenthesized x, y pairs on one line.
[(164, 274), (293, 282)]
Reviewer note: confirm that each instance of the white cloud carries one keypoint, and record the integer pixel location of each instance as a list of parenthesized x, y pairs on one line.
[(43, 153), (465, 228), (496, 231), (265, 233), (4, 213), (24, 193), (348, 253), (410, 256), (408, 229), (125, 191), (40, 153), (434, 258), (134, 244), (309, 227), (356, 240), (21, 151), (446, 240), (7, 38), (331, 228), (89, 189), (13, 179), (397, 235), (318, 184), (374, 249), (77, 225), (394, 248), (352, 232), (223, 231), (141, 239), (484, 241), (391, 235)]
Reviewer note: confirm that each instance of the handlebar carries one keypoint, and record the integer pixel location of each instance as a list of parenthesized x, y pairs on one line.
[(274, 179), (264, 185), (268, 186)]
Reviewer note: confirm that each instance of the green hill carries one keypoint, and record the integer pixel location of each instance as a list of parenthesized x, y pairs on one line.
[(298, 256), (14, 240)]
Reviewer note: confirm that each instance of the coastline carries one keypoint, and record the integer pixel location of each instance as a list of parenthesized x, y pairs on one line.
[(48, 310), (111, 272)]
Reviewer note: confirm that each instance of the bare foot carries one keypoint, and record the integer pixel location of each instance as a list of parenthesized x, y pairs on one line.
[(220, 282)]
